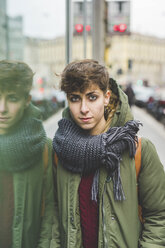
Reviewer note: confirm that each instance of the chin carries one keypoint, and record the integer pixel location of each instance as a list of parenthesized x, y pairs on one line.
[(85, 126)]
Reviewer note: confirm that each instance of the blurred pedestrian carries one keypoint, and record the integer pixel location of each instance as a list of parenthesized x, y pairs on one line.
[(95, 177), (131, 95), (26, 187)]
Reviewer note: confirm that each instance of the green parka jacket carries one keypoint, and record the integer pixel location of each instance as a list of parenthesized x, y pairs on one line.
[(33, 190), (33, 200), (119, 224)]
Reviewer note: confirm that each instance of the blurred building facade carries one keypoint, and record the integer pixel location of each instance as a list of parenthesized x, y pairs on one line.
[(133, 57), (129, 57)]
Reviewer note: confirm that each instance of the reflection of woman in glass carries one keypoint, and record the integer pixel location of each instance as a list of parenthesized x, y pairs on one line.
[(23, 144), (95, 143)]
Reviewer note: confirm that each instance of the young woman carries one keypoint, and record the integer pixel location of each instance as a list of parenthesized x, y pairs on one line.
[(95, 144), (26, 183)]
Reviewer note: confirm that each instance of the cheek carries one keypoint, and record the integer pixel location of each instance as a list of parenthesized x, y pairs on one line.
[(99, 107), (17, 111), (73, 109)]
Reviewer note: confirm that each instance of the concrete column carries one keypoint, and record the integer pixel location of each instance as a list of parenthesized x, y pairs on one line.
[(98, 30), (69, 31), (84, 30)]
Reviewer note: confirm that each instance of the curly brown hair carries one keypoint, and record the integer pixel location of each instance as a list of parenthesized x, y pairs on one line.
[(15, 76), (78, 75)]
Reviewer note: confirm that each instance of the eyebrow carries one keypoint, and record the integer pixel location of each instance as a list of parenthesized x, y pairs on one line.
[(73, 95), (9, 93), (12, 93), (90, 93)]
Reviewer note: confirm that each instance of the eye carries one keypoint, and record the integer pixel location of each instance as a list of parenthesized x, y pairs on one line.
[(92, 97), (13, 98), (74, 98)]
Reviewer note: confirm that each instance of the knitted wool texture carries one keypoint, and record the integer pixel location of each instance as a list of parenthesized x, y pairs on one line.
[(82, 153), (23, 146)]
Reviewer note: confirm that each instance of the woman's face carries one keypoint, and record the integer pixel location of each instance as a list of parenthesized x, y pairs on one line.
[(12, 107), (87, 109)]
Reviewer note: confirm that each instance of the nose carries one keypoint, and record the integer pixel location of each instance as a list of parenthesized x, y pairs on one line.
[(3, 106), (84, 107)]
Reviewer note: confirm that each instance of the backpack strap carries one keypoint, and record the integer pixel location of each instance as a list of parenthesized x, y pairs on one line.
[(45, 162), (45, 157), (138, 157), (55, 159), (138, 167)]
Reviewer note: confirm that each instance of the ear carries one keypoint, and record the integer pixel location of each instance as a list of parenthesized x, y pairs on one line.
[(107, 97), (28, 100)]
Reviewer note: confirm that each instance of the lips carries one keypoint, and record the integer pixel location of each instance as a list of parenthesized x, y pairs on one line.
[(3, 119), (85, 119)]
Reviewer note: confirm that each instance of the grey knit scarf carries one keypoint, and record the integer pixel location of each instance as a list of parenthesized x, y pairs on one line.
[(82, 153), (22, 147)]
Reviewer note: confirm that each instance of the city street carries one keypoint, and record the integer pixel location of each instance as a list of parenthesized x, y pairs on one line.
[(151, 129), (51, 124)]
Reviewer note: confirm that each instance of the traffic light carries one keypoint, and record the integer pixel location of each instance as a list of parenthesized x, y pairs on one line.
[(79, 28), (118, 17), (120, 28), (88, 28)]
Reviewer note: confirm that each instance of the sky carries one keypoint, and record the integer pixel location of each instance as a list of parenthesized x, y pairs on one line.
[(46, 18)]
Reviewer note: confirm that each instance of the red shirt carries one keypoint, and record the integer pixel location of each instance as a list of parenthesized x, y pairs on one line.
[(89, 214)]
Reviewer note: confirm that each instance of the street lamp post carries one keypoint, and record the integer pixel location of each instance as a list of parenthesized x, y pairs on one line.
[(68, 31), (5, 27), (98, 29), (7, 36), (84, 30)]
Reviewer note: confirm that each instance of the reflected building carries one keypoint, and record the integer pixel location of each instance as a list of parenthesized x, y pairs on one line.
[(39, 55), (16, 38), (11, 34), (3, 28), (47, 57)]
